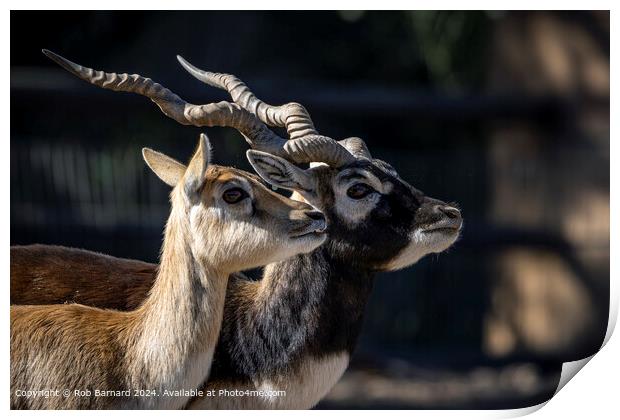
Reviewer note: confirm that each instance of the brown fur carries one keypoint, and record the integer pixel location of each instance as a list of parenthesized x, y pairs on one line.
[(56, 274), (167, 342), (75, 347)]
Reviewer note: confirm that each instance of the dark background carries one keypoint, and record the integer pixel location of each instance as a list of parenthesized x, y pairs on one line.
[(505, 113)]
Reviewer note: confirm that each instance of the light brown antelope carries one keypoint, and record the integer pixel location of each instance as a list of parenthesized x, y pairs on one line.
[(296, 329), (222, 220)]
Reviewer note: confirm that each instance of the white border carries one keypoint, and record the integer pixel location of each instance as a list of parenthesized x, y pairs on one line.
[(592, 394)]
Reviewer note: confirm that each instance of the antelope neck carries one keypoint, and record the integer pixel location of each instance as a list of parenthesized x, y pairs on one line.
[(310, 305), (182, 313)]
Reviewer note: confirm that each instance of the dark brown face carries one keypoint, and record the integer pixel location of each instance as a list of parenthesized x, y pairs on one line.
[(374, 217), (379, 219)]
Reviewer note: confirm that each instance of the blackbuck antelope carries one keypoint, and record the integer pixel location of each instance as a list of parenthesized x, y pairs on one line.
[(295, 329), (222, 221)]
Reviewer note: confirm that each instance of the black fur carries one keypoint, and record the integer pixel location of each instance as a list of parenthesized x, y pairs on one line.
[(314, 303)]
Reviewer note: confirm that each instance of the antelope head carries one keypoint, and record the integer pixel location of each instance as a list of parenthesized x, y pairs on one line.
[(373, 215), (234, 221)]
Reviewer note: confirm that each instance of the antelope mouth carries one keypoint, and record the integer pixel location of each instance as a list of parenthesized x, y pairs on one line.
[(316, 228), (443, 230), (446, 227)]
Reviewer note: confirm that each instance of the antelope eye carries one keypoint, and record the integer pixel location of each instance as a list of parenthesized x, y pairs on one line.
[(359, 191), (234, 195)]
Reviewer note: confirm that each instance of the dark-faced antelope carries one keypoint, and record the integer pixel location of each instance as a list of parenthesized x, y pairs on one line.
[(296, 329), (222, 220)]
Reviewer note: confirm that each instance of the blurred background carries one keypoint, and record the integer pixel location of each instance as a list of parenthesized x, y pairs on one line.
[(505, 113)]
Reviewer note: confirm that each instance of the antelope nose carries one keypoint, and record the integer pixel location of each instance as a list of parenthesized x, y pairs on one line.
[(449, 211), (314, 215), (318, 220)]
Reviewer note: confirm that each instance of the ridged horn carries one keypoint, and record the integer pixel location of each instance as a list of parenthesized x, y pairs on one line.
[(305, 144), (224, 114), (316, 148), (293, 116), (221, 114), (357, 147)]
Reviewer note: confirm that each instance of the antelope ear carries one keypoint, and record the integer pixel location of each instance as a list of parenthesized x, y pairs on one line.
[(167, 169), (281, 173), (198, 165)]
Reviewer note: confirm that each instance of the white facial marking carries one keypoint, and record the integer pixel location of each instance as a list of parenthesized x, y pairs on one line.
[(421, 243), (350, 210)]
